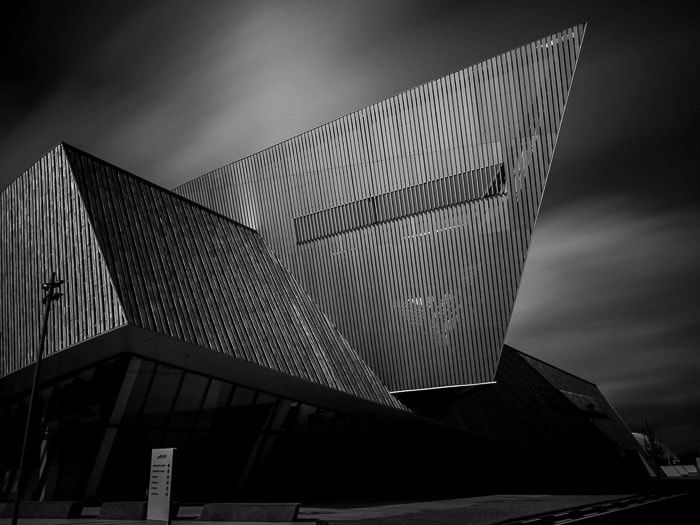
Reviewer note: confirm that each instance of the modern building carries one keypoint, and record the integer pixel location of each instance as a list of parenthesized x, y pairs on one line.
[(540, 408), (325, 317), (409, 220)]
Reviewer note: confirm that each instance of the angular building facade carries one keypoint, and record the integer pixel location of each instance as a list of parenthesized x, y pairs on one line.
[(539, 408), (171, 314), (409, 221), (323, 318)]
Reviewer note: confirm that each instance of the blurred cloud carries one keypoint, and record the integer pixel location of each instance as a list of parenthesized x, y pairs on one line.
[(172, 89), (169, 90), (610, 293)]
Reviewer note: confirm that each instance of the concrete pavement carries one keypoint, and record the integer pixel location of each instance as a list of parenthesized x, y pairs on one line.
[(481, 510)]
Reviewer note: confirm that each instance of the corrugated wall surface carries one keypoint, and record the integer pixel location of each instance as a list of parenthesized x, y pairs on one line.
[(43, 227), (184, 271), (614, 427), (522, 408), (425, 296)]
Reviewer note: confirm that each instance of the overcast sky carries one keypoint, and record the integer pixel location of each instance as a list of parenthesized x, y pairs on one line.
[(170, 90)]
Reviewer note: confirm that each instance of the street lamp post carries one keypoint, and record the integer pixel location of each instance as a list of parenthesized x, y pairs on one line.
[(51, 294)]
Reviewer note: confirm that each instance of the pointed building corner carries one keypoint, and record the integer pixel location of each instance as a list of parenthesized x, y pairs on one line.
[(43, 208), (461, 182)]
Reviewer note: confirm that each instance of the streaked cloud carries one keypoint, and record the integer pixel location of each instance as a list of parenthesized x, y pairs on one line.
[(610, 293), (171, 89)]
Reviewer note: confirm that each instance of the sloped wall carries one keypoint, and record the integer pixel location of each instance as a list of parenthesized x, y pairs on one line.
[(43, 227)]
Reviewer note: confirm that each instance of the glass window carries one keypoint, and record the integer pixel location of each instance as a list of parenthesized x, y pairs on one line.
[(215, 403), (217, 395), (342, 423), (321, 420), (264, 404), (292, 415), (143, 372), (265, 399), (176, 439), (72, 412), (191, 393), (281, 415), (301, 422), (243, 396), (164, 388), (188, 401)]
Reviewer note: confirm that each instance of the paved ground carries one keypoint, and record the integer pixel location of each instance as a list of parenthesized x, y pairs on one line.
[(483, 510), (480, 510), (677, 511), (668, 509)]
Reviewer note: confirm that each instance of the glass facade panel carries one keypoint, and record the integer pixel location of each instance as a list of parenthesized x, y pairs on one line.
[(218, 394), (215, 403), (189, 401), (71, 416), (231, 440), (303, 416), (164, 389), (224, 434), (143, 370), (321, 420), (242, 396)]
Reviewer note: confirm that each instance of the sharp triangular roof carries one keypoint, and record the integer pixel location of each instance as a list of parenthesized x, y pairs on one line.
[(584, 395), (45, 226), (134, 254), (394, 208), (184, 271)]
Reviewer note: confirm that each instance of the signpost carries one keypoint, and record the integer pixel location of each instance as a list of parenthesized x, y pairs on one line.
[(160, 484)]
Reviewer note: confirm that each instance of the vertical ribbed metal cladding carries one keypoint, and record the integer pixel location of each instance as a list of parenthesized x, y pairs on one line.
[(425, 295), (197, 276), (573, 386), (523, 408), (43, 227)]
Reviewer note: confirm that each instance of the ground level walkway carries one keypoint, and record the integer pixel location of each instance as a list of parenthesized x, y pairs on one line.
[(482, 510)]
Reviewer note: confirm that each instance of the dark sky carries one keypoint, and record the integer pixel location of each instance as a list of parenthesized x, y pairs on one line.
[(611, 290)]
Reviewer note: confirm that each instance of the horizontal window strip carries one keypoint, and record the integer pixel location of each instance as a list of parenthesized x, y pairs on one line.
[(448, 191)]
